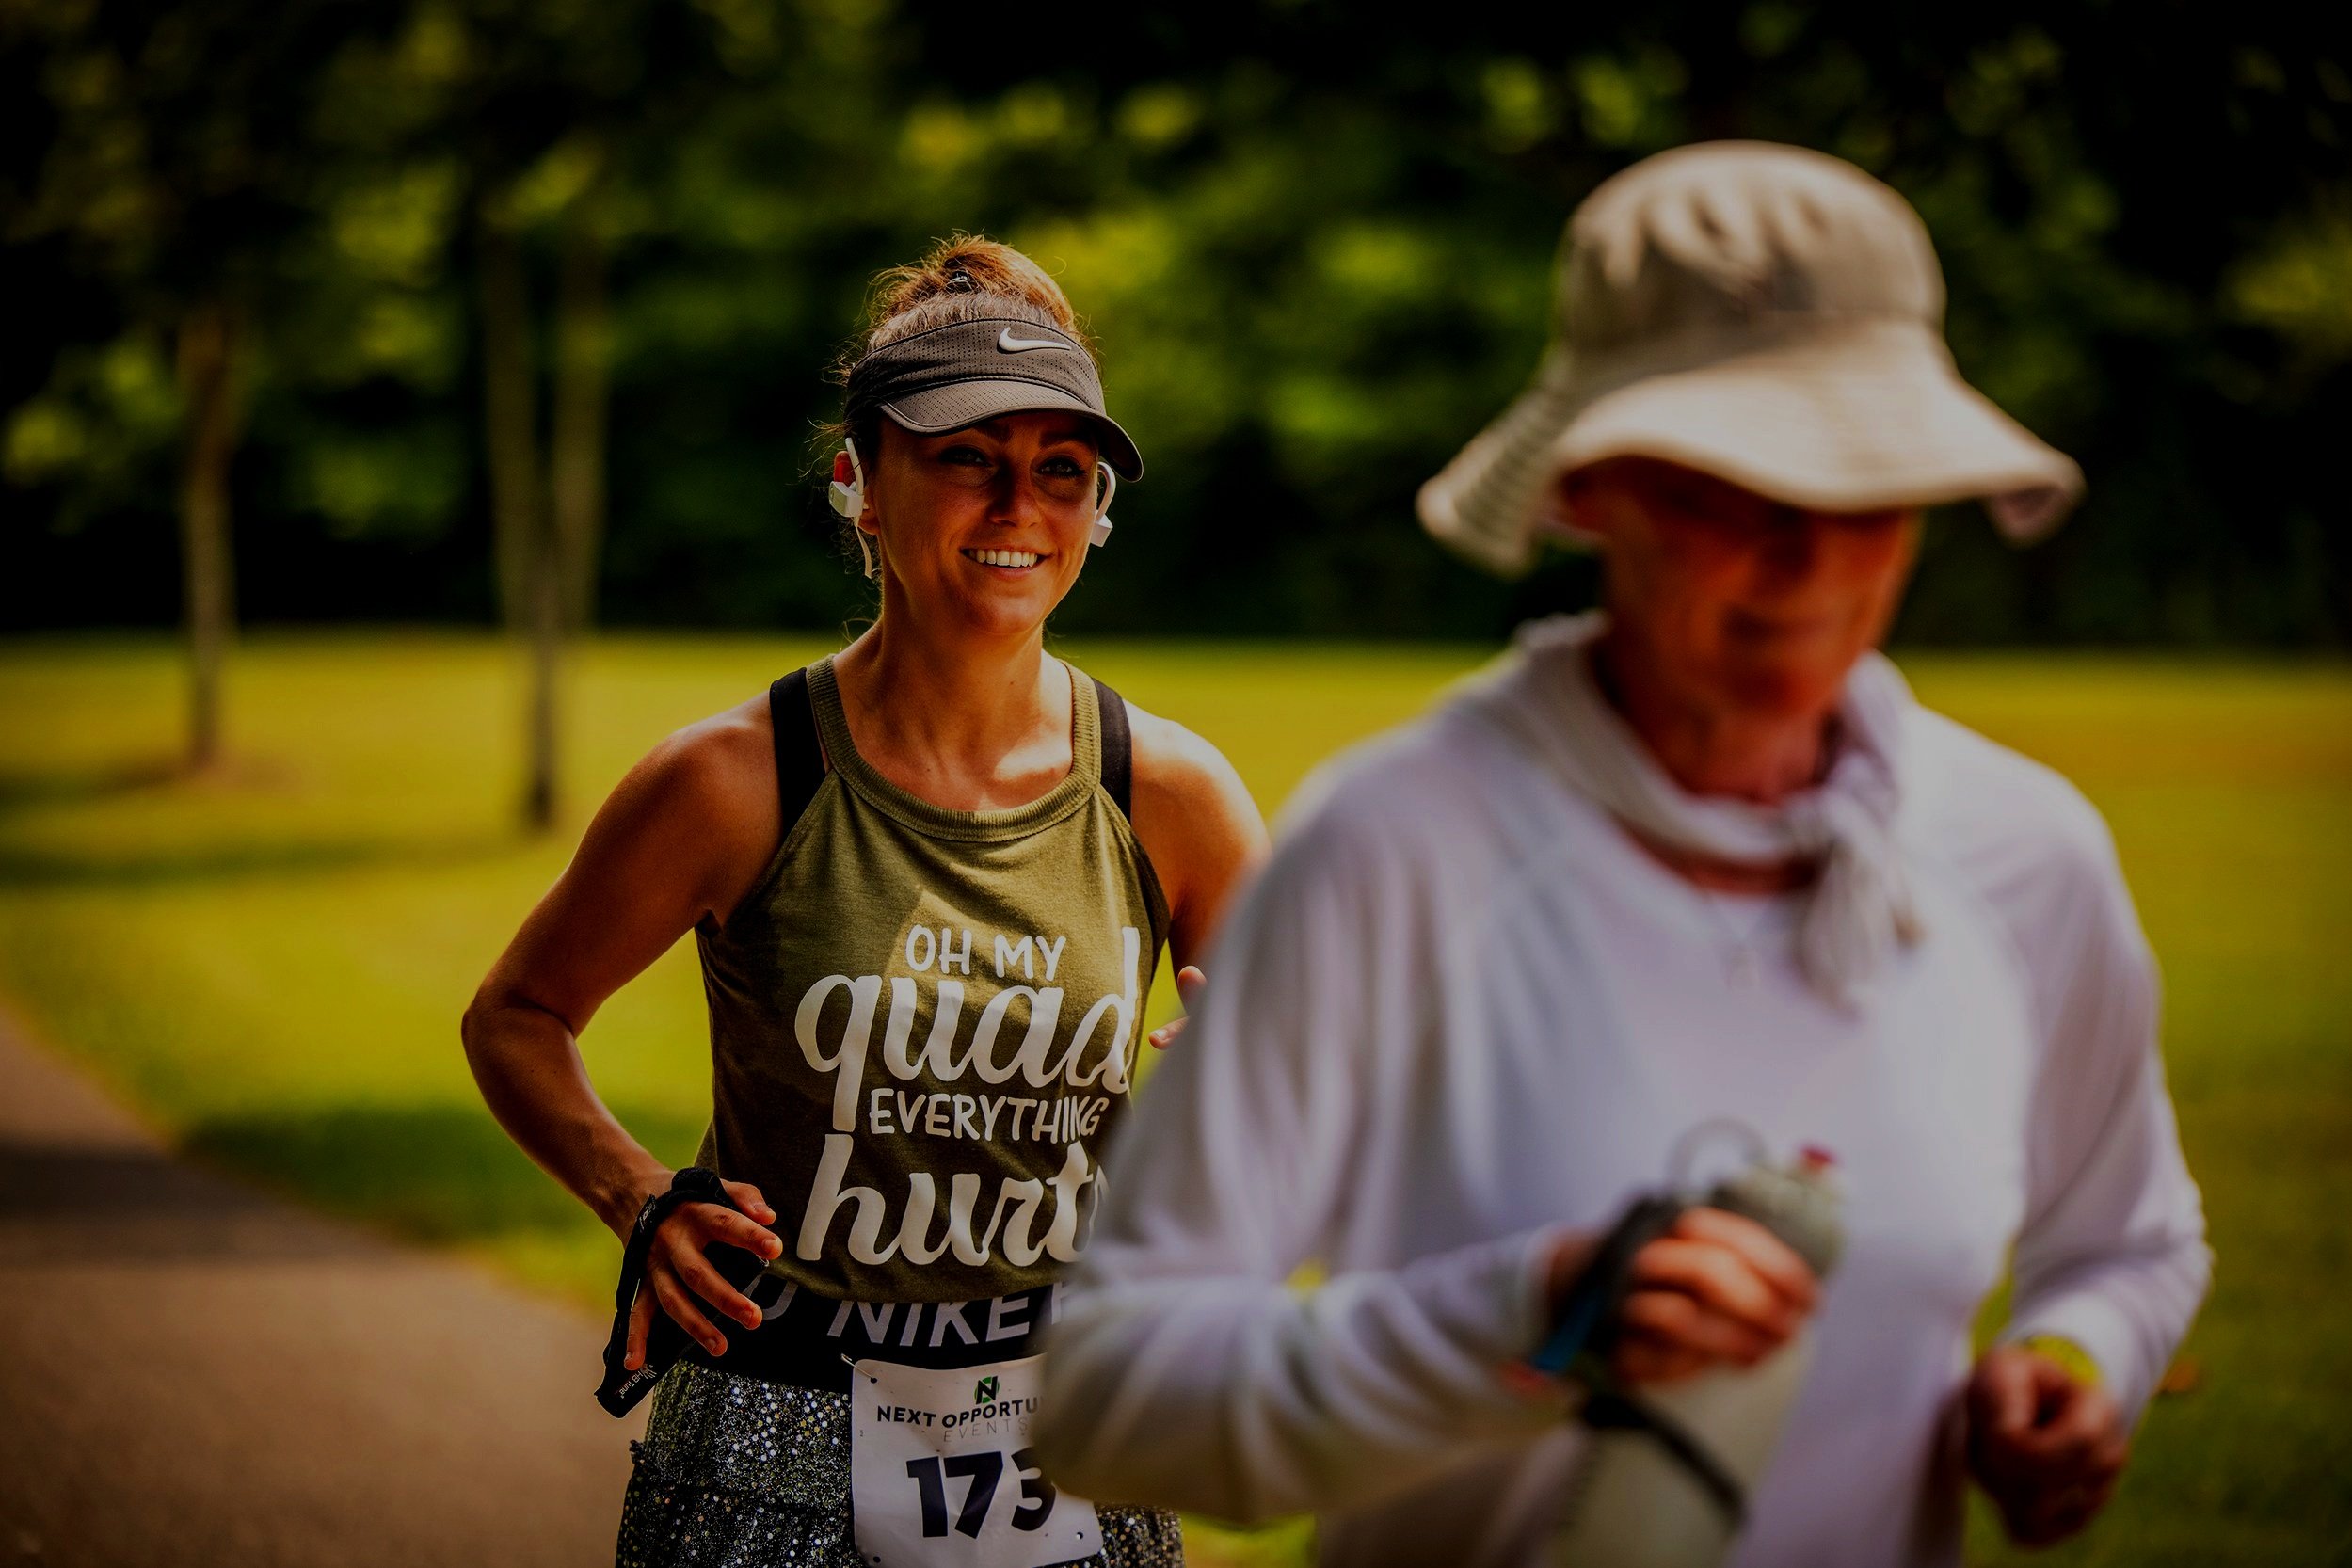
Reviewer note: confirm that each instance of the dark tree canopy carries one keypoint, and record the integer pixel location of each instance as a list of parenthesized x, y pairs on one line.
[(1315, 241)]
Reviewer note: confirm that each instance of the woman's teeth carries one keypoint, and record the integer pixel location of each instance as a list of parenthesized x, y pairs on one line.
[(1004, 557)]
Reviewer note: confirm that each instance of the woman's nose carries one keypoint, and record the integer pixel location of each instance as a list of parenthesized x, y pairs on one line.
[(1014, 497)]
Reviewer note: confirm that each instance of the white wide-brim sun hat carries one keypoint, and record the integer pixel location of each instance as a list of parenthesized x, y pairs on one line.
[(1764, 313)]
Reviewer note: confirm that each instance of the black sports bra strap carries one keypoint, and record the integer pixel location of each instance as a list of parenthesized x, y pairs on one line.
[(1118, 749), (799, 755)]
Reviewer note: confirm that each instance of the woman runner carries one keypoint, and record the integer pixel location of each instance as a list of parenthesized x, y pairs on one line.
[(929, 879)]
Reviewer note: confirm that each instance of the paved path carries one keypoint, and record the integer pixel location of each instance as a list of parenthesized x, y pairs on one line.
[(195, 1373)]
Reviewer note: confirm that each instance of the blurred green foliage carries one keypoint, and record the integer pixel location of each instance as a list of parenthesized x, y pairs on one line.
[(1315, 241)]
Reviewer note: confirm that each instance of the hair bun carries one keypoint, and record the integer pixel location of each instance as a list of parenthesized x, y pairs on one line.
[(961, 278)]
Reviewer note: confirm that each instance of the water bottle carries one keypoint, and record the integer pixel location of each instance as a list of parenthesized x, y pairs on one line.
[(1666, 1475)]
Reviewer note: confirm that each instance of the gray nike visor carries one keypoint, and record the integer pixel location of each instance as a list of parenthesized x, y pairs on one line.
[(953, 376)]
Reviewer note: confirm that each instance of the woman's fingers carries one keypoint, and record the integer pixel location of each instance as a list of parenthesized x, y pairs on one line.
[(681, 1309), (747, 1198), (694, 1271), (640, 1324), (717, 1225), (1677, 1321), (1716, 1289), (1771, 1258), (2004, 1395), (679, 1252), (1719, 1280), (2046, 1446), (1188, 983)]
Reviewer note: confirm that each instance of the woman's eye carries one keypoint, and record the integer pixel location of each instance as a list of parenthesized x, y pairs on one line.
[(966, 454), (1059, 468)]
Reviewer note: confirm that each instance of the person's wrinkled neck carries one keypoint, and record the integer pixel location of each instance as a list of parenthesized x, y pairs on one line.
[(1708, 746)]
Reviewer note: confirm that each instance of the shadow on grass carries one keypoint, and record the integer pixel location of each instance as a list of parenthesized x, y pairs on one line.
[(241, 861), (433, 1174), (139, 1208), (21, 790)]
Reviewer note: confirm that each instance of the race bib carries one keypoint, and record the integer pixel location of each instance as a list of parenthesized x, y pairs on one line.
[(942, 1471)]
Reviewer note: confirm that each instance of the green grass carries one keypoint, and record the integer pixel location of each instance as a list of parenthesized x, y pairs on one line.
[(271, 963)]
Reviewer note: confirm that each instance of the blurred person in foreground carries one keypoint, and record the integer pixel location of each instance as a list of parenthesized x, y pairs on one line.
[(929, 878), (1697, 854)]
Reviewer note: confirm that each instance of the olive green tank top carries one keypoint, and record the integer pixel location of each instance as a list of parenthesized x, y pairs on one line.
[(923, 1022)]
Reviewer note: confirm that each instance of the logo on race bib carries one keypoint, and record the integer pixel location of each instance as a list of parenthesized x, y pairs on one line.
[(985, 1391)]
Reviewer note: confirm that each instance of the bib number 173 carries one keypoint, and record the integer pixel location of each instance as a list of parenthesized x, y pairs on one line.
[(981, 1471)]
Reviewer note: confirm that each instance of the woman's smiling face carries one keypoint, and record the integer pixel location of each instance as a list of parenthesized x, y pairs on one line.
[(987, 525)]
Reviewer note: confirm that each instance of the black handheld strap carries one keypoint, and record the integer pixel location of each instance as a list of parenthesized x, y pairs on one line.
[(1118, 750), (1584, 1329), (664, 1340), (799, 755), (1617, 1411), (1584, 1333)]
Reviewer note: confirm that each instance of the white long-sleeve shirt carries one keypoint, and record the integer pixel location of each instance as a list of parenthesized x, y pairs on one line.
[(1461, 1010)]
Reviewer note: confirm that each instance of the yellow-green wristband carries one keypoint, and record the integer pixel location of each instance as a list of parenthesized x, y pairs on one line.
[(2068, 1354)]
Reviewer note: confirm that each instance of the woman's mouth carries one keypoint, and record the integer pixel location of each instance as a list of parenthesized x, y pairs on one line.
[(1006, 560)]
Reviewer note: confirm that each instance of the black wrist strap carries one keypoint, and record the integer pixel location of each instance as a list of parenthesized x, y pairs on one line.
[(1584, 1333), (1584, 1329), (622, 1388), (1612, 1410)]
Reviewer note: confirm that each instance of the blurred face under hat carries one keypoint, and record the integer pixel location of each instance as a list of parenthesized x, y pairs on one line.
[(1764, 313)]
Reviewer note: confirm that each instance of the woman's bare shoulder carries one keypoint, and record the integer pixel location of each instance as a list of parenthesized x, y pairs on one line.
[(1197, 822), (702, 803), (714, 766), (1181, 777)]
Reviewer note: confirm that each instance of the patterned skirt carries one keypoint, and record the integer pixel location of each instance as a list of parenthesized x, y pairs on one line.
[(738, 1473)]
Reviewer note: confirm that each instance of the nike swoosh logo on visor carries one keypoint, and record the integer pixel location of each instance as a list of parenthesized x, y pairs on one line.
[(1008, 344)]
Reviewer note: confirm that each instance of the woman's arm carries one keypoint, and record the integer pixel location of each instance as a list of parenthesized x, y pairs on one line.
[(2111, 1259), (1198, 825), (2112, 1254), (1185, 1370), (683, 836)]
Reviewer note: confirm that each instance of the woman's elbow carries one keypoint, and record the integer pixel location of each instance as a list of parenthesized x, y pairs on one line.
[(473, 1030), (483, 1034)]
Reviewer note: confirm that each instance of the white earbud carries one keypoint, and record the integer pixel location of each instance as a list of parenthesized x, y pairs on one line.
[(1100, 534), (849, 495), (848, 498)]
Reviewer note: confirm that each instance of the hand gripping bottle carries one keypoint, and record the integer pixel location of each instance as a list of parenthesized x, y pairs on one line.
[(1666, 1476)]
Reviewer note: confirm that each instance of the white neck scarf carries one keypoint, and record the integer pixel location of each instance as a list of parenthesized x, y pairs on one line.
[(1858, 910)]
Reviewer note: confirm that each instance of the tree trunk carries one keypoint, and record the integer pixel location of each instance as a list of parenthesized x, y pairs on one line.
[(530, 581), (207, 370), (583, 379)]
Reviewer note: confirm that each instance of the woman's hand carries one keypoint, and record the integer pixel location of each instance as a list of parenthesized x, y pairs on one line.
[(683, 1280), (1716, 1289), (2045, 1446), (1188, 983)]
